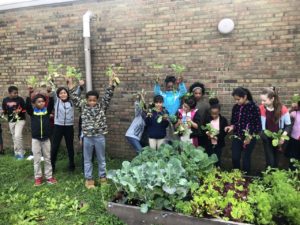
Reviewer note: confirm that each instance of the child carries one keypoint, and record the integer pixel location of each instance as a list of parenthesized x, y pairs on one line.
[(218, 122), (172, 97), (156, 127), (293, 149), (135, 131), (198, 91), (63, 125), (274, 116), (40, 130), (189, 117), (14, 107), (93, 114), (245, 116)]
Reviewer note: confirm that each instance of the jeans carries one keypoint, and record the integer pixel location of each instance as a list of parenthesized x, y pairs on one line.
[(16, 130), (97, 142), (237, 149), (135, 143), (68, 133)]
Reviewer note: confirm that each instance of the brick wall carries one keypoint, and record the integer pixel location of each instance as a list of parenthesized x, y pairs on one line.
[(263, 50)]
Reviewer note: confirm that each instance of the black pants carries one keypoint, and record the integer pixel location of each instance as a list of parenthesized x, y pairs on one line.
[(68, 133), (237, 149), (271, 153), (215, 149)]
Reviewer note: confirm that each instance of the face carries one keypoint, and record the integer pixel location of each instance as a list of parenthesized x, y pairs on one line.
[(92, 101), (40, 103), (169, 86), (240, 100), (63, 95), (158, 105), (198, 94), (186, 107), (266, 101), (13, 94), (214, 113)]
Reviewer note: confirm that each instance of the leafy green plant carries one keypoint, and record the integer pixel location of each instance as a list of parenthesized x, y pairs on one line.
[(276, 137), (212, 131), (159, 179), (295, 98), (32, 81), (178, 69), (112, 71), (72, 72), (157, 70)]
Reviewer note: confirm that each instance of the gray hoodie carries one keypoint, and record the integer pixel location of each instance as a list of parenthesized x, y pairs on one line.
[(64, 111)]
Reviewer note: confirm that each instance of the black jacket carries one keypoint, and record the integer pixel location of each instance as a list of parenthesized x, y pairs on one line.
[(40, 120), (9, 105), (222, 133)]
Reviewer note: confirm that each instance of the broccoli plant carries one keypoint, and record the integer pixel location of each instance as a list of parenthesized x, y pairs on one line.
[(32, 81), (72, 72)]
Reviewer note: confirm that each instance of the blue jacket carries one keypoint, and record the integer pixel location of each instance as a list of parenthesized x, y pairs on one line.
[(171, 98)]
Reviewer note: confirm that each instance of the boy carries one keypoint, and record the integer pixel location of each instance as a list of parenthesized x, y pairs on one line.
[(14, 107), (41, 131), (93, 128)]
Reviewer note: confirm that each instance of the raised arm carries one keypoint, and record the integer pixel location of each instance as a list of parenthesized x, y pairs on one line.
[(29, 107), (77, 100)]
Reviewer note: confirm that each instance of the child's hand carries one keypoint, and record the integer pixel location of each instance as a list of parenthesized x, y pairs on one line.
[(81, 83), (49, 90), (228, 129), (247, 141), (294, 106), (156, 80), (179, 79)]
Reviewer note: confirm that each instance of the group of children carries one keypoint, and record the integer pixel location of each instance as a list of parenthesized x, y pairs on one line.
[(52, 117), (175, 108), (176, 114)]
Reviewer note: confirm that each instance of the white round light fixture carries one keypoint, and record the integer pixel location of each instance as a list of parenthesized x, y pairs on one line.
[(226, 26)]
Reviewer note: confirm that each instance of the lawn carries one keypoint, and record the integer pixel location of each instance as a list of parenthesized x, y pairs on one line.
[(67, 202)]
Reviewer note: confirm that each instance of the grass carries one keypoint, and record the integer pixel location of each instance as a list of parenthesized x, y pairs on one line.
[(67, 202)]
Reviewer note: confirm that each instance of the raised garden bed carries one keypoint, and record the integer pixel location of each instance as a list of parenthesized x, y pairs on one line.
[(133, 216)]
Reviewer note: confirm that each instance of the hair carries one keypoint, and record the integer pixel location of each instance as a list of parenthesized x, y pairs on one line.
[(62, 89), (92, 93), (242, 92), (37, 96), (191, 102), (214, 103), (158, 98), (170, 78), (12, 88), (273, 93), (197, 85)]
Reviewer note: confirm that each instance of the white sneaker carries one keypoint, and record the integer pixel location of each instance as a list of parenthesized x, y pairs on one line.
[(42, 158), (30, 157)]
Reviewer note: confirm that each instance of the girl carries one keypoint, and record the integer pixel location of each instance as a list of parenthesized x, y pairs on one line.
[(157, 122), (274, 116), (198, 91), (189, 118), (245, 116), (294, 143), (63, 125), (135, 131), (218, 122)]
